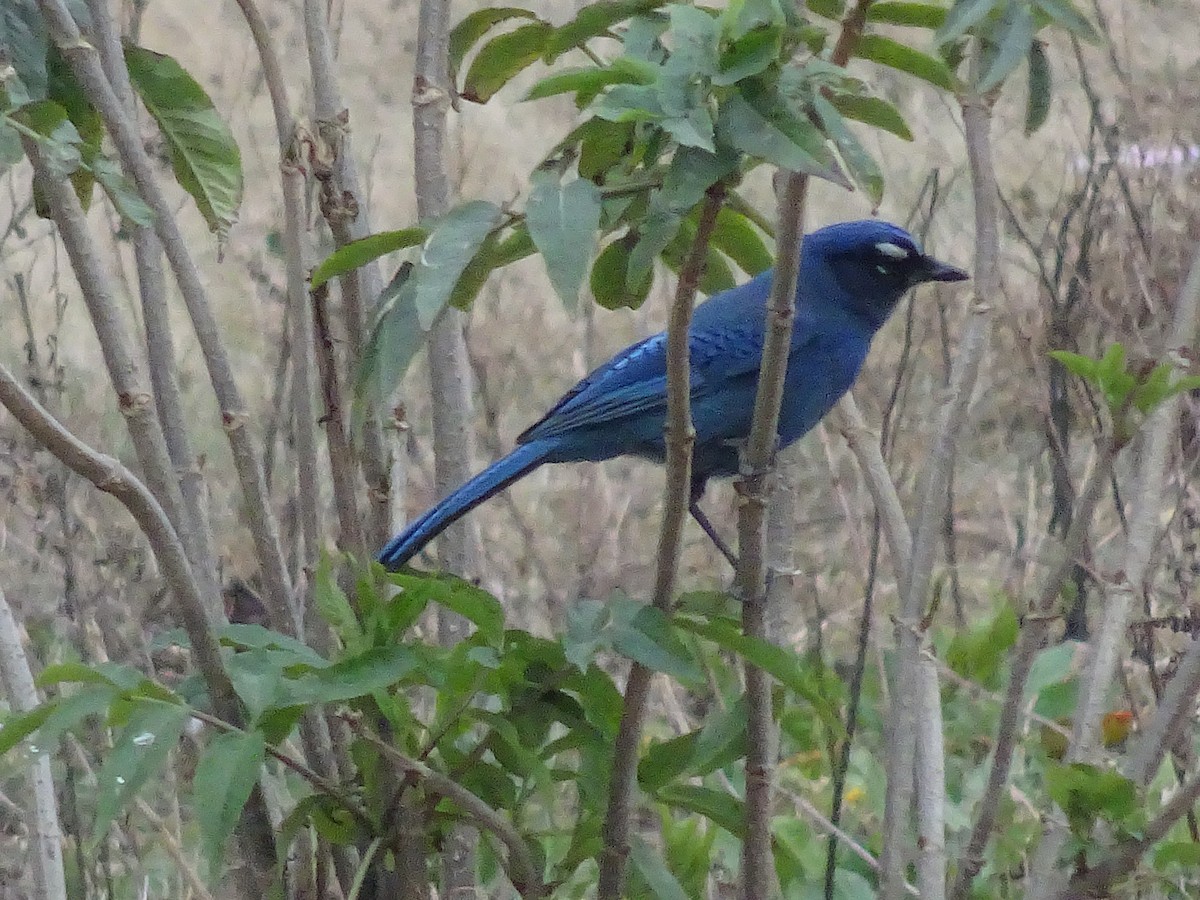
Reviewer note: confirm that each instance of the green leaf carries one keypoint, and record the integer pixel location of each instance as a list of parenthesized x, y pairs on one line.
[(648, 638), (655, 233), (602, 146), (375, 670), (563, 220), (979, 654), (503, 58), (122, 192), (829, 9), (586, 83), (717, 806), (467, 33), (364, 250), (256, 637), (141, 751), (862, 167), (225, 776), (332, 602), (472, 603), (913, 15), (895, 55), (1007, 46), (25, 41), (494, 253), (396, 337), (648, 864), (1041, 85), (751, 54), (770, 132), (783, 665), (872, 111), (205, 157), (1087, 793), (1076, 364), (610, 276), (1065, 14), (48, 124), (18, 726), (67, 714), (446, 253), (962, 17), (594, 20), (64, 90), (736, 237), (1184, 854), (720, 741)]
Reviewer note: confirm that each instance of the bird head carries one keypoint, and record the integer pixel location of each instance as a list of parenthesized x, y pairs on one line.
[(868, 265)]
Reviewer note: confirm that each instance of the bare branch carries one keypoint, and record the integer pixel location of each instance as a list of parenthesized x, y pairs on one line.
[(42, 815), (679, 436), (85, 66)]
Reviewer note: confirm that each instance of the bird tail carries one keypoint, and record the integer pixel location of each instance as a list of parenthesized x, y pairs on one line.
[(486, 484)]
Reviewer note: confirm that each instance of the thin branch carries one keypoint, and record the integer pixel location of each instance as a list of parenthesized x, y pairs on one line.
[(520, 867), (193, 529), (45, 835), (340, 456), (754, 490), (86, 67), (818, 818), (915, 585), (1120, 599), (1178, 704), (679, 437), (1033, 637), (345, 208)]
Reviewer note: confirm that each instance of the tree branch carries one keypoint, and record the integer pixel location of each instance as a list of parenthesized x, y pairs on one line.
[(85, 66), (679, 437), (45, 833)]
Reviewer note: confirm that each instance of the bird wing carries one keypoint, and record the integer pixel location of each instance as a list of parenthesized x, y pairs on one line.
[(634, 382)]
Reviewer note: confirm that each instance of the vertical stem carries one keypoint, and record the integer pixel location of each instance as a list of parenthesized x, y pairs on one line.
[(453, 444), (88, 72), (976, 112), (754, 489), (345, 208), (679, 436), (44, 830), (160, 345)]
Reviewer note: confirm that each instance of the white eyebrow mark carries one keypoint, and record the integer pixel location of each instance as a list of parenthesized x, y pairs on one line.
[(895, 251)]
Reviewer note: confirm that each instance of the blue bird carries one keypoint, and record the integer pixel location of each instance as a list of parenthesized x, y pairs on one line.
[(852, 275)]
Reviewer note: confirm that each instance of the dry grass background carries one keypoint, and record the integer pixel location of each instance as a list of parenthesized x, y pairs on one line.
[(593, 526)]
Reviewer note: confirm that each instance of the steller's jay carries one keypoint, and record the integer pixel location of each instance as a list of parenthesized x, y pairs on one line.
[(851, 277)]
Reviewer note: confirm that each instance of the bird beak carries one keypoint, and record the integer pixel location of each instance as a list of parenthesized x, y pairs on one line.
[(935, 270)]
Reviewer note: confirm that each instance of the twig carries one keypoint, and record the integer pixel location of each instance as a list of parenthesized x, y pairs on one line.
[(345, 207), (341, 459), (815, 816), (520, 866), (42, 816), (85, 66), (754, 489), (930, 516), (679, 437), (1033, 636), (160, 345), (1121, 597)]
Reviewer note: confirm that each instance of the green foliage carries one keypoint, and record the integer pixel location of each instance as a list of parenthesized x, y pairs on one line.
[(225, 776), (206, 158), (674, 99), (1131, 390)]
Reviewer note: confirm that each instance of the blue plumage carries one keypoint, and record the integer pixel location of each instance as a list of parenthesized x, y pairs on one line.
[(851, 277)]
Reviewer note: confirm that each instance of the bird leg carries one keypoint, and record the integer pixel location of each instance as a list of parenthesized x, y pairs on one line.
[(703, 522)]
